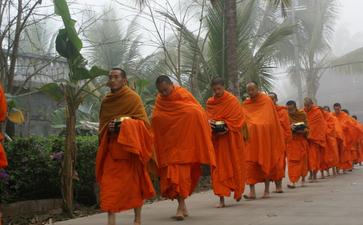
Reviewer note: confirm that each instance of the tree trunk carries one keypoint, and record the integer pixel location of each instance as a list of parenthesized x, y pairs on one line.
[(68, 166), (230, 15), (312, 88), (15, 49)]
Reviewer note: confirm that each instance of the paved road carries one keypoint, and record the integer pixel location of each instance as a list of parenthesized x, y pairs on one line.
[(333, 201)]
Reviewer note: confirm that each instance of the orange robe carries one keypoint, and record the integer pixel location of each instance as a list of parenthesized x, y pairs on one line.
[(297, 150), (346, 122), (317, 139), (266, 140), (331, 156), (285, 125), (360, 143), (229, 175), (340, 139), (3, 112), (121, 163), (358, 132), (183, 141)]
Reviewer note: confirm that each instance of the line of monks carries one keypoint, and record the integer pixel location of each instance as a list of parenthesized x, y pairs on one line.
[(242, 143), (246, 143)]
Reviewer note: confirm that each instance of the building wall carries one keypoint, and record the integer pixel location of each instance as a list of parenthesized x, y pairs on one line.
[(345, 89), (37, 107)]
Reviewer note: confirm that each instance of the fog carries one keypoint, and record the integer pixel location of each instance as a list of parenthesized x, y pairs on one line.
[(333, 87)]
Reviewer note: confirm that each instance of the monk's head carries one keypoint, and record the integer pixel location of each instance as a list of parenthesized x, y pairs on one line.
[(308, 103), (164, 85), (346, 111), (273, 97), (117, 79), (337, 108), (218, 87), (291, 107), (326, 108), (355, 117), (252, 89)]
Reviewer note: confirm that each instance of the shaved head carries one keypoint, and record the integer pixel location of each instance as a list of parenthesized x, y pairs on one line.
[(273, 96), (252, 89), (308, 103), (164, 85)]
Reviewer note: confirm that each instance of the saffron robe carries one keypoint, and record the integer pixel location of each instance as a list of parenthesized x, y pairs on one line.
[(229, 174), (183, 141), (266, 144), (121, 162)]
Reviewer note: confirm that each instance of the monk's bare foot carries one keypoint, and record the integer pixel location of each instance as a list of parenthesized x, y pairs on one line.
[(266, 195), (221, 203), (249, 197), (179, 215), (111, 219), (137, 223), (185, 212), (291, 186), (279, 191)]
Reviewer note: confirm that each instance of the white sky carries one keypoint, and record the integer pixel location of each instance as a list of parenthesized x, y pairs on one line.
[(348, 35)]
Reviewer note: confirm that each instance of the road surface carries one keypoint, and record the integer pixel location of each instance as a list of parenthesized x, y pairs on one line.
[(333, 201)]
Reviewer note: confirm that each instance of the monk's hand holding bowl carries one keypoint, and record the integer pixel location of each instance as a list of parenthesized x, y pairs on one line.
[(114, 127), (224, 132)]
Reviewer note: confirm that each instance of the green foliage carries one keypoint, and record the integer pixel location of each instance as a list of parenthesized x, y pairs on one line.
[(35, 175), (263, 40), (53, 90)]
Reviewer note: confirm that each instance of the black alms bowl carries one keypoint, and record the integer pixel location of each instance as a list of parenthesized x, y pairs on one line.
[(219, 126), (298, 127)]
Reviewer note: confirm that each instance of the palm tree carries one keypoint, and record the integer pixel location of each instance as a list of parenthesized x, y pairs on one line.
[(315, 28), (262, 43), (230, 32), (231, 37)]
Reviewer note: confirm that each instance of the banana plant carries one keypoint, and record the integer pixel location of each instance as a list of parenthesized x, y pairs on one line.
[(71, 91)]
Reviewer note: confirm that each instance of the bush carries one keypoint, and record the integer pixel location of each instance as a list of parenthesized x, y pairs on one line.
[(34, 169)]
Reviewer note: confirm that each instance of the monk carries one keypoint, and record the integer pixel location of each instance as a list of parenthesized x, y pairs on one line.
[(266, 142), (316, 138), (360, 141), (334, 140), (3, 114), (286, 129), (298, 147), (346, 122), (355, 137), (125, 148), (183, 141), (229, 146)]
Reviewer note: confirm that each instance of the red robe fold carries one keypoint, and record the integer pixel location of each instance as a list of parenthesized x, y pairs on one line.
[(229, 174), (331, 156), (266, 140), (286, 129), (3, 112), (183, 141), (297, 150), (317, 138), (358, 133), (346, 122)]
